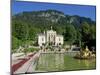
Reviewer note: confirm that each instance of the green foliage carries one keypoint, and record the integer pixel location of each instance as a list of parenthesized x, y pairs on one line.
[(33, 33), (28, 50), (78, 37), (15, 43), (70, 34), (85, 28), (20, 30), (27, 25), (93, 32), (32, 49), (88, 33)]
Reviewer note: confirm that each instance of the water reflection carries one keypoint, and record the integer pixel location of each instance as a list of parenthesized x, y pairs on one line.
[(51, 61), (58, 62)]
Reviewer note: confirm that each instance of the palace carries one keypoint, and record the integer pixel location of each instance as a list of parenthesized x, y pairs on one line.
[(50, 37)]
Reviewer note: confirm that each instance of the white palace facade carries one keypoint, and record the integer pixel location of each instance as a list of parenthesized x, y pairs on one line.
[(50, 37)]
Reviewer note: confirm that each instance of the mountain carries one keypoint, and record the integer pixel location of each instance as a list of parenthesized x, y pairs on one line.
[(26, 26), (52, 16)]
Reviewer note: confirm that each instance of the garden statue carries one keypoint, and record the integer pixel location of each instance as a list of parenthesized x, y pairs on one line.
[(85, 54)]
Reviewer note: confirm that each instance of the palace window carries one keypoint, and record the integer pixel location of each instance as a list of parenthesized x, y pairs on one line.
[(42, 39), (59, 39)]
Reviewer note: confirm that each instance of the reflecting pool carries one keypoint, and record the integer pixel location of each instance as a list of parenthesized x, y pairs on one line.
[(62, 62)]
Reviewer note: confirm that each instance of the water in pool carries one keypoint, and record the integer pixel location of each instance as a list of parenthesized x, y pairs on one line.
[(62, 62)]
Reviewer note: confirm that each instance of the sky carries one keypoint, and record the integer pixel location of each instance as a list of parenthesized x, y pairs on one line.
[(68, 9)]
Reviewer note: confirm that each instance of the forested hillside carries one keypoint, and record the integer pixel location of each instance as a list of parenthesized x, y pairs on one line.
[(75, 29)]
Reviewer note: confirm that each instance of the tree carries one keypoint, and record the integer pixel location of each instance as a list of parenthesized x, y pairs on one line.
[(33, 33), (85, 32), (88, 34), (78, 38), (15, 42), (70, 34), (93, 32), (20, 30), (92, 40)]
